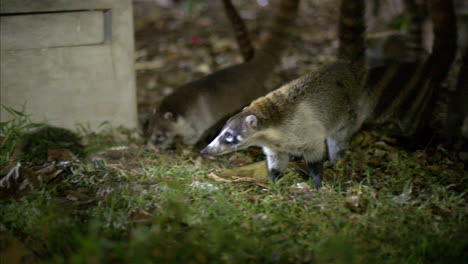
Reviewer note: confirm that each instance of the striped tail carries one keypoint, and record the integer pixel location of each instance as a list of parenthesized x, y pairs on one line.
[(240, 31)]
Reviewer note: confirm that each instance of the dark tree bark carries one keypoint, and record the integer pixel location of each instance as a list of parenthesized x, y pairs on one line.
[(412, 89), (437, 66), (458, 106)]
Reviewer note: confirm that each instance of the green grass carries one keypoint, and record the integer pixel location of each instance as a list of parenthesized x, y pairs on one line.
[(11, 133), (141, 207)]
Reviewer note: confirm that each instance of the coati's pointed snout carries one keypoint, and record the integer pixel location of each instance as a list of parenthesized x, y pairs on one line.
[(212, 149), (204, 151)]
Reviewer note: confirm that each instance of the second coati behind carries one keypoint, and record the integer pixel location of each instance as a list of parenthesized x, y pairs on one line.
[(302, 118), (195, 107)]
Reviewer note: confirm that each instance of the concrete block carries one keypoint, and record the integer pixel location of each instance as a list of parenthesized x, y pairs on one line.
[(52, 30), (68, 62)]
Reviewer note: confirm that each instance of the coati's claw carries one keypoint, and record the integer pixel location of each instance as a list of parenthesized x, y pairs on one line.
[(204, 151), (275, 175), (316, 172)]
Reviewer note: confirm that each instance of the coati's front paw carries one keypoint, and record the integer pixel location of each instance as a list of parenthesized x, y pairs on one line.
[(316, 172), (275, 175), (317, 181)]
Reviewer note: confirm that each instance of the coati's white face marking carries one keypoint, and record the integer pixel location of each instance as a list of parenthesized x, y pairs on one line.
[(228, 136), (234, 136), (162, 130)]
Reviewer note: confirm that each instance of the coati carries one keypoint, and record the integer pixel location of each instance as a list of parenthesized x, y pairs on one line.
[(303, 117), (240, 31), (195, 107), (298, 119)]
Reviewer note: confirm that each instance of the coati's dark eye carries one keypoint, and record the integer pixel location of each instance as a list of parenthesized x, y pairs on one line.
[(228, 136)]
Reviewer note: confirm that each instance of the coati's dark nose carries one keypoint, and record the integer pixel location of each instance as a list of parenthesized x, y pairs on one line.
[(204, 151)]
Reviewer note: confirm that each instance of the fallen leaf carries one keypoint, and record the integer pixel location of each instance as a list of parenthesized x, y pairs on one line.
[(252, 180), (301, 187), (75, 196), (256, 170), (217, 178), (234, 179)]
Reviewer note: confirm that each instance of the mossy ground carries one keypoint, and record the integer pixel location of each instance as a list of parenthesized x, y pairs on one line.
[(380, 204)]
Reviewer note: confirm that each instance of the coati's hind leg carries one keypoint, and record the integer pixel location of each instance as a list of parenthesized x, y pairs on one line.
[(333, 149), (336, 148), (277, 162), (314, 159), (316, 172)]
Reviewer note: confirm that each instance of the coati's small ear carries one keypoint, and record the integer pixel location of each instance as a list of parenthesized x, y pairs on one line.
[(170, 116), (251, 121)]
